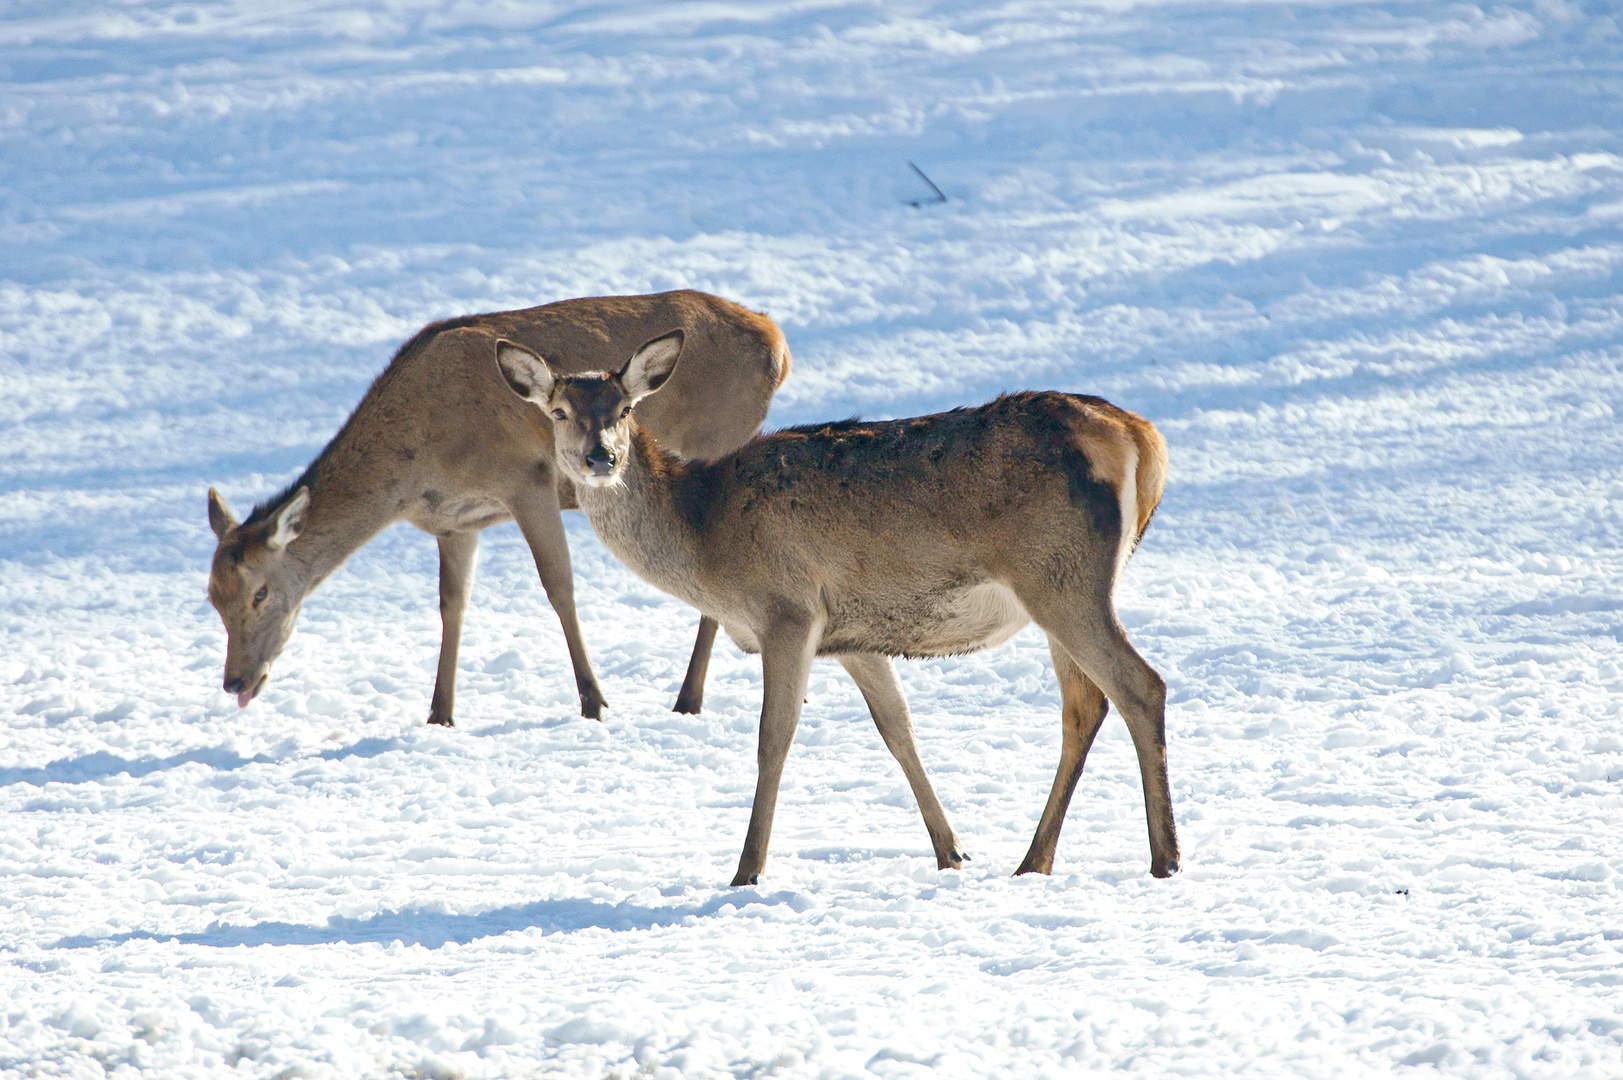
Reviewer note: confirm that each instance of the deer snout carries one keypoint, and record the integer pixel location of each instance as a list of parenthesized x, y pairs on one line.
[(601, 460), (244, 691)]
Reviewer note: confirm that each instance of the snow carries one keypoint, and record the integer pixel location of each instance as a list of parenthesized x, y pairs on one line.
[(1358, 261)]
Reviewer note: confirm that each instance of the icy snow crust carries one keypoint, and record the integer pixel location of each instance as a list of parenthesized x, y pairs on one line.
[(1360, 262)]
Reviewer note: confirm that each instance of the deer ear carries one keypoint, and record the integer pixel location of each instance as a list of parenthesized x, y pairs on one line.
[(220, 519), (651, 365), (289, 520), (527, 374)]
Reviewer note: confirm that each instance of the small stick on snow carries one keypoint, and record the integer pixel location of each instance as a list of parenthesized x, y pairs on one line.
[(939, 197)]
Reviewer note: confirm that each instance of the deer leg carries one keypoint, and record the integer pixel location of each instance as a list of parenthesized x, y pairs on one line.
[(456, 579), (1083, 710), (787, 649), (1093, 637), (875, 676), (539, 519), (691, 697)]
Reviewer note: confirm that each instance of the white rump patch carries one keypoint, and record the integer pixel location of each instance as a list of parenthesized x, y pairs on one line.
[(1129, 510)]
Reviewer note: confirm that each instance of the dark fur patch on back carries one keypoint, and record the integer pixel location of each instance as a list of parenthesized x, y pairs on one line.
[(855, 451), (847, 448), (1050, 421), (1047, 416)]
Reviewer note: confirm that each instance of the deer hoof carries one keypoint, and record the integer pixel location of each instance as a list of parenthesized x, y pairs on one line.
[(691, 707), (442, 721), (591, 704), (1164, 869), (741, 880)]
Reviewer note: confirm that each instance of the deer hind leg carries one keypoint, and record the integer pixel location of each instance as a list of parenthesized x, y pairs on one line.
[(690, 699), (538, 519), (875, 676), (787, 648), (1083, 710), (456, 580), (1088, 630)]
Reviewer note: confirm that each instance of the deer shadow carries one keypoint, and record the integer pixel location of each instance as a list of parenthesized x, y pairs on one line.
[(432, 929), (100, 765)]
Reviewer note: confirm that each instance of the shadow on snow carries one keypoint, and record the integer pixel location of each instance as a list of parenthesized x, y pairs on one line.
[(435, 929), (101, 764)]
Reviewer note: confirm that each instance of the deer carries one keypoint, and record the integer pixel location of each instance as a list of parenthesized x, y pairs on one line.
[(932, 536), (439, 441)]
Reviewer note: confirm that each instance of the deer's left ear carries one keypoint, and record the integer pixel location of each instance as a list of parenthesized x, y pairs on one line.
[(526, 373), (651, 365)]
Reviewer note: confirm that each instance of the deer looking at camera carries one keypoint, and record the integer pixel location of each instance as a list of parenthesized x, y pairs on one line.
[(439, 441), (932, 536)]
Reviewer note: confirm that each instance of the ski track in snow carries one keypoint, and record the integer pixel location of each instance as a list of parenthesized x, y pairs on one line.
[(1360, 262)]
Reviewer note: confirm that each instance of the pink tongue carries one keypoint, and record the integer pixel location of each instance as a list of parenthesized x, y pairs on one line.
[(244, 698)]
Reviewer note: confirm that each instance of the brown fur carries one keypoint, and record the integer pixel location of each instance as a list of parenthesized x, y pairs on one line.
[(921, 537), (439, 441)]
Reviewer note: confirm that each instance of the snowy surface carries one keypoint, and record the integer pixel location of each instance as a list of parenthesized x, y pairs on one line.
[(1360, 262)]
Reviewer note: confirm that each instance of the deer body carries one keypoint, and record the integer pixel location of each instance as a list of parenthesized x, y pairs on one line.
[(931, 536), (439, 441), (807, 518)]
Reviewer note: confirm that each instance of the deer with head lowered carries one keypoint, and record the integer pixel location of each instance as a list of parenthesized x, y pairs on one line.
[(439, 441), (933, 536)]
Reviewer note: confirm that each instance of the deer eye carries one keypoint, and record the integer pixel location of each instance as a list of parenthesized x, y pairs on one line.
[(559, 414), (259, 597), (625, 412)]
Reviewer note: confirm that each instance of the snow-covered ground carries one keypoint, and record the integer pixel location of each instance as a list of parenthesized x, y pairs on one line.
[(1359, 261)]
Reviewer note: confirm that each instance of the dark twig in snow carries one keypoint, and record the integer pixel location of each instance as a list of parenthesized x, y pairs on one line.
[(939, 197)]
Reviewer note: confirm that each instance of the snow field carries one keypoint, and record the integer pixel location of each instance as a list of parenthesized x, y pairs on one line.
[(1359, 262)]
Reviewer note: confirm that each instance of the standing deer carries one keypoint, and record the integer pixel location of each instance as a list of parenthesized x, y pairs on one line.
[(933, 536), (439, 441)]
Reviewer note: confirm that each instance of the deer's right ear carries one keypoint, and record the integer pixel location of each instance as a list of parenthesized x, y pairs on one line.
[(220, 519), (525, 372), (289, 521)]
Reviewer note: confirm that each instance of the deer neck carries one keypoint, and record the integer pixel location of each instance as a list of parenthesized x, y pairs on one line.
[(354, 494), (639, 519)]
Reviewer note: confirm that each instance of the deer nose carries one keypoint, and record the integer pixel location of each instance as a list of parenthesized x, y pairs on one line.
[(234, 686), (600, 460)]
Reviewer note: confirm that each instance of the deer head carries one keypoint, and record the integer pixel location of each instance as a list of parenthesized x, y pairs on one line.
[(256, 588), (590, 411)]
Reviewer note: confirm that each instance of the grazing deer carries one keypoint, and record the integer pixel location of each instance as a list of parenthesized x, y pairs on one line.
[(933, 536), (439, 441)]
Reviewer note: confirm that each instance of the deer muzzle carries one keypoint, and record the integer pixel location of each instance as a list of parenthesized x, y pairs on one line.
[(245, 691)]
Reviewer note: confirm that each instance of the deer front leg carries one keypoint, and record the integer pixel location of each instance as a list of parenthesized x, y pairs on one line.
[(537, 514), (875, 676), (691, 697), (456, 579), (787, 648)]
